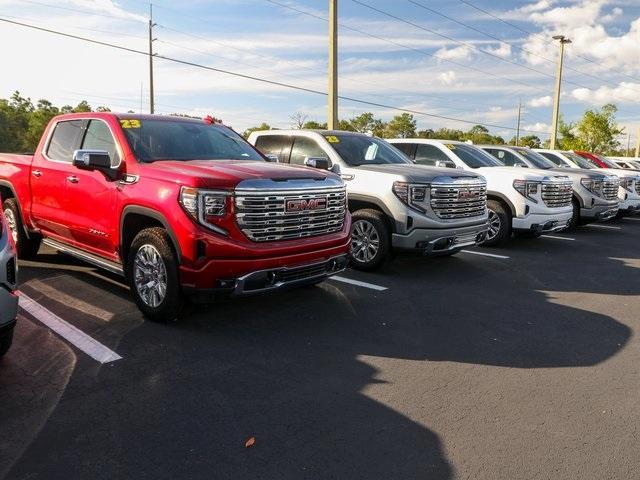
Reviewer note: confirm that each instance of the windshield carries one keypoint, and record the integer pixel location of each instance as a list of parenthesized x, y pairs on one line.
[(606, 161), (162, 139), (537, 160), (581, 161), (358, 150), (473, 157)]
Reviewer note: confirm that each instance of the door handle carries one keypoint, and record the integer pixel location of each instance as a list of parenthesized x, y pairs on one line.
[(37, 173), (72, 179)]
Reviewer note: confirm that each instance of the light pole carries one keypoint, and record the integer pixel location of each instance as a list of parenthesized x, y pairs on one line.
[(556, 100), (332, 113)]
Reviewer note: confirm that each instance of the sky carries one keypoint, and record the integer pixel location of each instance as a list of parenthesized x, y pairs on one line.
[(471, 60)]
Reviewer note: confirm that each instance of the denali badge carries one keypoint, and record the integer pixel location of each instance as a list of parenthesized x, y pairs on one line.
[(299, 205)]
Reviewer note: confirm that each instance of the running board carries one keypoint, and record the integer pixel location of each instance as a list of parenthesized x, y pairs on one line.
[(112, 267)]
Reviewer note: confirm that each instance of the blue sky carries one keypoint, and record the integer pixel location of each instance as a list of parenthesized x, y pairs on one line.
[(476, 72)]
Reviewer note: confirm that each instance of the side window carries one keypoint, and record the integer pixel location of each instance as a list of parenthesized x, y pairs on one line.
[(98, 137), (409, 149), (65, 139), (550, 156), (279, 145), (304, 147), (430, 154), (508, 158)]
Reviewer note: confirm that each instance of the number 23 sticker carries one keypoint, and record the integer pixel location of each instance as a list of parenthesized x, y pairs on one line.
[(133, 123), (332, 139)]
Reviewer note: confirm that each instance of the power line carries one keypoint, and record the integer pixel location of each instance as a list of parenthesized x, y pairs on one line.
[(422, 52), (86, 12), (251, 77)]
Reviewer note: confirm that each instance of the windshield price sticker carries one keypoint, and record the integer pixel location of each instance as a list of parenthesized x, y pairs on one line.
[(130, 123), (450, 146), (332, 139)]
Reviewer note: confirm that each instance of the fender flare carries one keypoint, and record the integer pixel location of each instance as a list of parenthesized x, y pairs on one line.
[(503, 197), (7, 184), (374, 201), (154, 214)]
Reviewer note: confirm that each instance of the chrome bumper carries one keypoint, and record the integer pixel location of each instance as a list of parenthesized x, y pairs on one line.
[(440, 241)]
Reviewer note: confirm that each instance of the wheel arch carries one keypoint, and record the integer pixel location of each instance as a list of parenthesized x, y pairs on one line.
[(8, 192), (362, 202), (134, 219), (504, 200)]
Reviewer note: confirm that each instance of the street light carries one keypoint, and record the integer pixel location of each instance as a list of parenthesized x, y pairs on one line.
[(556, 101)]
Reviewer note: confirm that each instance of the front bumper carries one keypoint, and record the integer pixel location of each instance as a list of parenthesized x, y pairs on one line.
[(542, 223), (599, 213), (440, 241), (630, 206)]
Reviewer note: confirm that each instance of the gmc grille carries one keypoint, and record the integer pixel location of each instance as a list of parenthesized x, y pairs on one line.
[(557, 194), (269, 216), (637, 184), (610, 189), (459, 200)]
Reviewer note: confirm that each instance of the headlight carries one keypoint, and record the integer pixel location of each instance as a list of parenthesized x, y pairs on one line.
[(627, 183), (206, 207), (594, 186), (527, 188), (411, 195)]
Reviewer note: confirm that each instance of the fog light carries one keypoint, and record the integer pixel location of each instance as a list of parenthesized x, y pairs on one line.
[(271, 278)]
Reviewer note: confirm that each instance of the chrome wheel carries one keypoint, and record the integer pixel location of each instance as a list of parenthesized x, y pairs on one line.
[(494, 225), (12, 224), (365, 241), (150, 275)]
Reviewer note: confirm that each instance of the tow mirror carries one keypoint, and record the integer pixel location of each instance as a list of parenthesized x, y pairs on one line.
[(272, 157), (91, 160), (321, 163)]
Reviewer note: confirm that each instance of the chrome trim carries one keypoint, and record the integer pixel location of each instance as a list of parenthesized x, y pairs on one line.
[(556, 194), (446, 201), (85, 256)]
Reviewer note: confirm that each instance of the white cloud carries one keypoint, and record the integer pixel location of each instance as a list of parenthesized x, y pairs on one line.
[(627, 91), (537, 127), (447, 78), (503, 50), (540, 101), (456, 53), (534, 7), (615, 13)]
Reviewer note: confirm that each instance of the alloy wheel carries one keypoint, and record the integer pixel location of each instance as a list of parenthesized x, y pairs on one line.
[(12, 224), (365, 241), (150, 276), (494, 225)]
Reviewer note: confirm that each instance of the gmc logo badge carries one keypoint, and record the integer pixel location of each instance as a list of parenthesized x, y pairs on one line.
[(467, 194), (300, 205)]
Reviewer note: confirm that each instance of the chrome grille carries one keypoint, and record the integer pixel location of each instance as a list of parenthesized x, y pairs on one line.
[(459, 200), (637, 185), (610, 189), (557, 194), (266, 216)]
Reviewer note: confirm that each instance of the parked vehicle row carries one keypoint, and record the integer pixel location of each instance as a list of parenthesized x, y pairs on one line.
[(186, 209)]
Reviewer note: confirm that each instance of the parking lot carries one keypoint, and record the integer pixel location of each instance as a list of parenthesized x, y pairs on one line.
[(512, 363)]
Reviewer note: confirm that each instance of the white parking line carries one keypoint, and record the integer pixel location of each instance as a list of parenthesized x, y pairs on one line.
[(359, 283), (73, 335), (493, 255), (635, 219), (559, 238), (608, 227)]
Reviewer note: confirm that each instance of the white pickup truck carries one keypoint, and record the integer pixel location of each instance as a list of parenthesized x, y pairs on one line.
[(527, 202)]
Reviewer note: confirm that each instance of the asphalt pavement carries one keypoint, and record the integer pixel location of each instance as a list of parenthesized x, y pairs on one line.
[(513, 363)]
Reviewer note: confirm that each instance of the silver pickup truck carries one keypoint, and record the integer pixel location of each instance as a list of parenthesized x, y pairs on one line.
[(8, 280), (395, 204)]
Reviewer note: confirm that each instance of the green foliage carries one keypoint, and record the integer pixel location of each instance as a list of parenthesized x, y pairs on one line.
[(313, 125), (595, 132), (263, 126), (401, 126), (531, 141)]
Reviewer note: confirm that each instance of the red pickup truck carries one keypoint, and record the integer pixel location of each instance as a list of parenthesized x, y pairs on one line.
[(183, 208)]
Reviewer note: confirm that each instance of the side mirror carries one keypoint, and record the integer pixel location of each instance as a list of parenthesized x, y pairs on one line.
[(91, 160), (321, 163), (272, 157), (445, 164)]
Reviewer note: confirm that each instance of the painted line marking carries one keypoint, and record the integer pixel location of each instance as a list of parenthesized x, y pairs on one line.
[(559, 238), (608, 227), (493, 255), (359, 283), (635, 219), (73, 335)]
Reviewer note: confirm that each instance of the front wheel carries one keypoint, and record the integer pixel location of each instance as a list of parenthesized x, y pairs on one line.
[(499, 224), (26, 247), (370, 239), (152, 272), (6, 338), (575, 217)]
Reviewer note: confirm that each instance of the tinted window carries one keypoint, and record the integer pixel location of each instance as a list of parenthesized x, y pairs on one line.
[(606, 161), (473, 157), (98, 137), (507, 158), (580, 161), (430, 154), (409, 149), (536, 160), (65, 139), (304, 147), (553, 158), (358, 150), (152, 140), (279, 145)]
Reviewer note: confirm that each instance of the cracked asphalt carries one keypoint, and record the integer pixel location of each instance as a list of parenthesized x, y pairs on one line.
[(470, 367)]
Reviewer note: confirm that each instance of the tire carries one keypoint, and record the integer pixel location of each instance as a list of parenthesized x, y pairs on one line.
[(163, 301), (26, 247), (575, 218), (6, 339), (370, 240), (499, 224)]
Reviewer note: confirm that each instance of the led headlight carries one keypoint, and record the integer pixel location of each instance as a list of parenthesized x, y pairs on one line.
[(594, 186), (527, 188), (627, 183), (206, 207), (411, 195)]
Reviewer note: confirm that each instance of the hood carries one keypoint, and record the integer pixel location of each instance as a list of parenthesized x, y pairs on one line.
[(620, 172), (420, 173), (228, 173), (581, 173), (512, 172)]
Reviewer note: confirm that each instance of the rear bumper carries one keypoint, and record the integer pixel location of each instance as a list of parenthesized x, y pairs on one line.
[(440, 241), (541, 223)]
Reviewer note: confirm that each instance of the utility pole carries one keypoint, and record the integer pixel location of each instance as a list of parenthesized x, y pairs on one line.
[(518, 125), (332, 113), (638, 143), (628, 152), (556, 102), (151, 54)]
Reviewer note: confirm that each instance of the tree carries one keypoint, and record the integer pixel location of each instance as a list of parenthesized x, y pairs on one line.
[(298, 120), (531, 141), (263, 126), (313, 125), (401, 126), (366, 123), (479, 134), (595, 132)]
